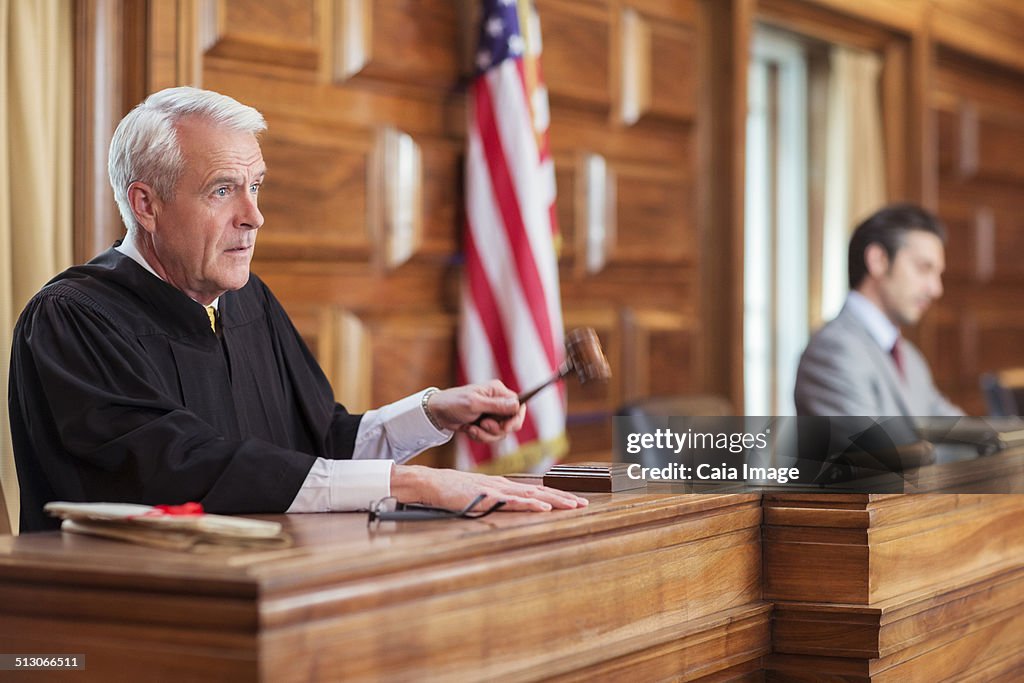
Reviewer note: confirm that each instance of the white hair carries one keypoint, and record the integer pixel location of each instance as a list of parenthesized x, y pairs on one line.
[(145, 145)]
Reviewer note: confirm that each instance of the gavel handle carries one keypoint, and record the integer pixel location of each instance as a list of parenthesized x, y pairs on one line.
[(563, 370)]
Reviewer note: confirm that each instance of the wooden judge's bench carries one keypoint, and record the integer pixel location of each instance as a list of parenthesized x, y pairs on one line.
[(642, 585)]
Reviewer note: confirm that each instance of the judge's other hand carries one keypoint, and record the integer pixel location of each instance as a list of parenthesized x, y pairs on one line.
[(454, 490), (459, 408)]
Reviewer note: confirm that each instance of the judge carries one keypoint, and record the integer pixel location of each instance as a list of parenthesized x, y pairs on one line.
[(162, 371)]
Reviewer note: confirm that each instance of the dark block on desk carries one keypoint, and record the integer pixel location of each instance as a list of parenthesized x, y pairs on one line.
[(597, 477)]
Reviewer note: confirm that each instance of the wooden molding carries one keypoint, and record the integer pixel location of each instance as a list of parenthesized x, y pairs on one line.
[(967, 149), (984, 243), (896, 116), (179, 33), (200, 23), (970, 28), (635, 67), (469, 24), (348, 40), (836, 21), (596, 207), (921, 125), (350, 350), (907, 587), (98, 102), (396, 197), (727, 29)]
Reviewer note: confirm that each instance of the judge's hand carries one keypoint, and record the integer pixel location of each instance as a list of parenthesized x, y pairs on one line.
[(454, 490), (459, 407)]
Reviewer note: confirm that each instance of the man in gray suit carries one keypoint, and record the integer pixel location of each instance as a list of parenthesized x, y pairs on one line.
[(859, 363)]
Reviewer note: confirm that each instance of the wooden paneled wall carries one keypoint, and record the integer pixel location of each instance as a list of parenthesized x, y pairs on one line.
[(365, 101), (980, 177)]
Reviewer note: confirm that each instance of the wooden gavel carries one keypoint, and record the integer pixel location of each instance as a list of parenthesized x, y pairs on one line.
[(583, 354)]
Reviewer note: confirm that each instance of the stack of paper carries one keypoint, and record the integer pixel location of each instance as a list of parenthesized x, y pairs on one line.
[(158, 528)]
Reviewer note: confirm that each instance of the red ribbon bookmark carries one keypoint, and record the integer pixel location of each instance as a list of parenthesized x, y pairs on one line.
[(185, 510)]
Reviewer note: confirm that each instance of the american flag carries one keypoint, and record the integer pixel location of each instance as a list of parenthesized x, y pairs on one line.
[(511, 325)]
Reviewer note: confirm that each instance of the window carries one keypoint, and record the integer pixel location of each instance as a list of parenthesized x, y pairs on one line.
[(776, 232)]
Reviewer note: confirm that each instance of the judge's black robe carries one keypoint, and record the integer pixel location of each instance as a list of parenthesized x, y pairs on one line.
[(120, 391)]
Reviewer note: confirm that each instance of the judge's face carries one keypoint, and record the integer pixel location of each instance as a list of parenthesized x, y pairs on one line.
[(913, 280), (202, 238)]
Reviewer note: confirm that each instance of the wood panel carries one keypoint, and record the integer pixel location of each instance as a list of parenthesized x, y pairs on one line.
[(673, 73), (894, 588), (735, 643), (322, 215), (901, 554), (409, 351), (945, 339), (655, 69), (413, 43), (576, 51), (374, 360), (882, 630), (905, 15), (987, 28), (665, 583), (655, 215), (662, 348), (980, 144), (284, 33), (970, 244), (999, 336), (861, 25), (658, 142)]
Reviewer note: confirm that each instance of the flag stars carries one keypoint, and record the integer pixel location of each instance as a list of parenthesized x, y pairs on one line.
[(515, 44), (495, 27), (506, 3), (483, 59)]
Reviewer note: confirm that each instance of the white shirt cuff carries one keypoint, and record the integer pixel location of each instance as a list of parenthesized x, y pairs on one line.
[(391, 434), (398, 431), (343, 485)]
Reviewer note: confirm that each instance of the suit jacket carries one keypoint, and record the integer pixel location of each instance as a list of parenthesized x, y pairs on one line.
[(844, 371)]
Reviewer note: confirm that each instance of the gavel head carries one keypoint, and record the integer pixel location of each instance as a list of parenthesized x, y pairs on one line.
[(584, 355)]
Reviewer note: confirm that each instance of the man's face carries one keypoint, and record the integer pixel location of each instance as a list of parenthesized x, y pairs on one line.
[(203, 237), (913, 279)]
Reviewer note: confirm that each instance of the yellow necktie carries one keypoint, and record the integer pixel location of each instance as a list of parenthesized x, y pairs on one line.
[(213, 318)]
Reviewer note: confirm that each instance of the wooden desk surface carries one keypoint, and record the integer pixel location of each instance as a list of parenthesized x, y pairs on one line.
[(627, 582), (326, 546)]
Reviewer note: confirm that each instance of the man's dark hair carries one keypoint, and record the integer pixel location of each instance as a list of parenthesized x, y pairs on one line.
[(888, 227)]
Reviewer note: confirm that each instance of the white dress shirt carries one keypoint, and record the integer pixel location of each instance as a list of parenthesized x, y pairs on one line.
[(874, 320), (388, 435)]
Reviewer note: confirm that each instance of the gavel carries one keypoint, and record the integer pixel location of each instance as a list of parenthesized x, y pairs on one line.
[(583, 354)]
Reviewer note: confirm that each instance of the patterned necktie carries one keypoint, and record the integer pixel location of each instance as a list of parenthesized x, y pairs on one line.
[(210, 311), (897, 357)]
